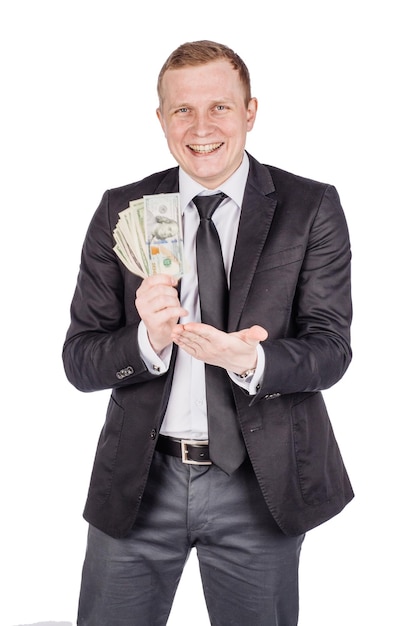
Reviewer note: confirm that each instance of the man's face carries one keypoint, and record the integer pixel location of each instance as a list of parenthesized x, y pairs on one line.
[(205, 120)]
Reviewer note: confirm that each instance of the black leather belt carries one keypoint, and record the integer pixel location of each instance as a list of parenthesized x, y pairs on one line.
[(190, 451)]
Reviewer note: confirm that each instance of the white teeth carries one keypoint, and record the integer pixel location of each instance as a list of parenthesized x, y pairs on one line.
[(206, 148)]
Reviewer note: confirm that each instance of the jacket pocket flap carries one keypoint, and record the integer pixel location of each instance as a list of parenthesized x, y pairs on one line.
[(280, 258)]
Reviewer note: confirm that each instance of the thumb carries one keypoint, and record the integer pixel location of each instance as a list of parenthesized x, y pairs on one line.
[(254, 334)]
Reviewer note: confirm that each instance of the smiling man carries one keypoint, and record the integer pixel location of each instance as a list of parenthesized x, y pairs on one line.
[(216, 436), (205, 114)]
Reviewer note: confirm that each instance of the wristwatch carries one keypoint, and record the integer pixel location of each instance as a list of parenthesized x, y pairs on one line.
[(247, 373)]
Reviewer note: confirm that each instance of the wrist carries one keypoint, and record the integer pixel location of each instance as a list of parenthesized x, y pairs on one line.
[(247, 373)]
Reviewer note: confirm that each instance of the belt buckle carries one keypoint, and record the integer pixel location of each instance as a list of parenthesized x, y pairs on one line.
[(184, 451)]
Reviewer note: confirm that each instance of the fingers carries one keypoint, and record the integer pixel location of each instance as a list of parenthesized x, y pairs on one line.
[(159, 307), (158, 279), (157, 293), (156, 286), (253, 335), (201, 341), (198, 333), (233, 351)]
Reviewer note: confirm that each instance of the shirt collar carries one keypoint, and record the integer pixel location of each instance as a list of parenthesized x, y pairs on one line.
[(234, 187)]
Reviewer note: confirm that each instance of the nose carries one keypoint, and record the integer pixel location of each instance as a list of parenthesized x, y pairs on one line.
[(202, 124)]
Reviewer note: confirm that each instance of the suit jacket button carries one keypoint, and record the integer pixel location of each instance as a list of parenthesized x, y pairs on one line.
[(153, 433), (126, 371)]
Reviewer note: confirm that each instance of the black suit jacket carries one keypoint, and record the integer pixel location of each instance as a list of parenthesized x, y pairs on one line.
[(290, 274)]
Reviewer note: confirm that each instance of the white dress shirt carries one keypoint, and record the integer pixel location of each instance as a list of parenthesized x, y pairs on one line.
[(186, 414)]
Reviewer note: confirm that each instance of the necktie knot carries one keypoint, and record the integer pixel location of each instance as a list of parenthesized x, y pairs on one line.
[(206, 205)]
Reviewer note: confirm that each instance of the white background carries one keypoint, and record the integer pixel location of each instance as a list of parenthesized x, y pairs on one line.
[(336, 87)]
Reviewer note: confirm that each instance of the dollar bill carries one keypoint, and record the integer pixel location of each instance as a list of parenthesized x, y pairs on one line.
[(148, 236), (129, 247), (127, 255), (163, 234)]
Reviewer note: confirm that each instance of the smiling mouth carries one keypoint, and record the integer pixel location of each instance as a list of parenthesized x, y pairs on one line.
[(205, 149)]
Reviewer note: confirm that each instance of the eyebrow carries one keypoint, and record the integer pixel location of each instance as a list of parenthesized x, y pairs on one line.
[(214, 102)]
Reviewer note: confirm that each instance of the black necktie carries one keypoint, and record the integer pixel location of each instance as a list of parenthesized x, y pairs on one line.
[(212, 284), (225, 440)]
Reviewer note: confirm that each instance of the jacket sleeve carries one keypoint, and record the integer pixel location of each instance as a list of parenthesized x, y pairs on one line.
[(316, 352), (101, 347)]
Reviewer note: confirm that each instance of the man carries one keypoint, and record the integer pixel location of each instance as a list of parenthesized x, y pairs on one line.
[(271, 469)]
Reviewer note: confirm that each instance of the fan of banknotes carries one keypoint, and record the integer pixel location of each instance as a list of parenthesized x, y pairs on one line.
[(149, 236)]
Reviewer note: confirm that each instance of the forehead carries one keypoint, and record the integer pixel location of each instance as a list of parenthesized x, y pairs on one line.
[(214, 79)]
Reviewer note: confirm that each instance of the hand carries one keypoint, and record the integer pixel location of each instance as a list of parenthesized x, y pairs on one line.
[(159, 307), (235, 352)]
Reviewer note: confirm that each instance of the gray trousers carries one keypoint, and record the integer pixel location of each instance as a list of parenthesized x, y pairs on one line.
[(249, 568)]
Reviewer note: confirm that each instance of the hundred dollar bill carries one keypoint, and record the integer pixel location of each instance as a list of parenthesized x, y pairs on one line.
[(163, 234), (130, 246), (126, 255), (136, 212), (148, 236)]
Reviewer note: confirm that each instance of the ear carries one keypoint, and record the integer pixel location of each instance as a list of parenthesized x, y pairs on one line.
[(161, 119), (251, 113)]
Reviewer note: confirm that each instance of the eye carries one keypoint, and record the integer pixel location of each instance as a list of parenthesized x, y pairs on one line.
[(220, 107), (182, 110)]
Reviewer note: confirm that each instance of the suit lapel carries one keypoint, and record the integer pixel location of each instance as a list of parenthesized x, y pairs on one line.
[(170, 182), (257, 212)]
